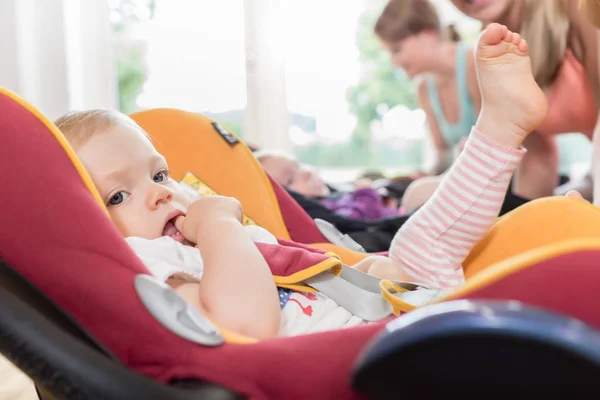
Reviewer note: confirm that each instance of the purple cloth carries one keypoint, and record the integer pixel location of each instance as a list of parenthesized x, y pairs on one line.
[(363, 203)]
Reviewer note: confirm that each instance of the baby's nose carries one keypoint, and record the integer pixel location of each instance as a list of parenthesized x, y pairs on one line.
[(157, 195)]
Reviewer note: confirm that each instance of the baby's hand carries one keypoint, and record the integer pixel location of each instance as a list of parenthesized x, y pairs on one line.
[(576, 195), (207, 210)]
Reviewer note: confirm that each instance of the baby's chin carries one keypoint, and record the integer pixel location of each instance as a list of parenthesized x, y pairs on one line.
[(180, 239), (188, 243)]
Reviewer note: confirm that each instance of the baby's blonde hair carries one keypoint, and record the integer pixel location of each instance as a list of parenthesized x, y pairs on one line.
[(265, 154), (80, 126)]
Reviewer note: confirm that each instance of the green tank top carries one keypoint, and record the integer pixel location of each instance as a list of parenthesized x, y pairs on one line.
[(453, 133)]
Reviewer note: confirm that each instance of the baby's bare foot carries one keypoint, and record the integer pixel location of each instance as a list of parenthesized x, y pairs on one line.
[(513, 105)]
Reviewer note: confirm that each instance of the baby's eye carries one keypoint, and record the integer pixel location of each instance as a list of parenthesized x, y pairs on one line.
[(161, 176), (117, 198)]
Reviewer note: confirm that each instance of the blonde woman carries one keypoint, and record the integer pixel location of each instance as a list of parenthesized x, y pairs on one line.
[(564, 56)]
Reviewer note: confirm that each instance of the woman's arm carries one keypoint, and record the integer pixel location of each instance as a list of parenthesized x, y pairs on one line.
[(443, 153), (584, 186), (595, 169), (585, 19)]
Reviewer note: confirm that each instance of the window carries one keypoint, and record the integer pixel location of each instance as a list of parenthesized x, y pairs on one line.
[(185, 54)]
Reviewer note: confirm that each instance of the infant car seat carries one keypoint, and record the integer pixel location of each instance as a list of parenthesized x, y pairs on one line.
[(74, 318)]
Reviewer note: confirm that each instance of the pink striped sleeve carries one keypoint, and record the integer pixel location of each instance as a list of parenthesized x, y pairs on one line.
[(434, 242)]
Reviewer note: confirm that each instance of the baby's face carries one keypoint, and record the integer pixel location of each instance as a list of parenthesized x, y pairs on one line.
[(290, 174), (281, 169), (134, 182), (307, 181)]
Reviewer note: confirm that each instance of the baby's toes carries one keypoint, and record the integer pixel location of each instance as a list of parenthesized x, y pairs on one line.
[(516, 38), (523, 46)]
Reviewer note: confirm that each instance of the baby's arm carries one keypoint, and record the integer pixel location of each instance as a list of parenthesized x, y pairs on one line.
[(237, 290)]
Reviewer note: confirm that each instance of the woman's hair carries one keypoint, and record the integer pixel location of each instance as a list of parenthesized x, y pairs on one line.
[(404, 18), (546, 27), (451, 33)]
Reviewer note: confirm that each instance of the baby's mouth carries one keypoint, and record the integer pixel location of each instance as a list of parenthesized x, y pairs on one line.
[(171, 230)]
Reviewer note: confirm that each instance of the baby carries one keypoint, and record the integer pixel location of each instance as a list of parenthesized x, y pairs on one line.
[(364, 202), (227, 278), (286, 171)]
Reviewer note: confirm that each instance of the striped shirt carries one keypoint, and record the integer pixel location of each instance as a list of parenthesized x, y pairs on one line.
[(434, 242)]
